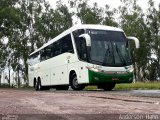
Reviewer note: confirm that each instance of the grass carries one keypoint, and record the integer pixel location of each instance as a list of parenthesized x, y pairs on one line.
[(4, 85), (133, 86), (139, 85)]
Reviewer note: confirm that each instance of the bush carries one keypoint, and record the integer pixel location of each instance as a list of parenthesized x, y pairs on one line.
[(4, 85)]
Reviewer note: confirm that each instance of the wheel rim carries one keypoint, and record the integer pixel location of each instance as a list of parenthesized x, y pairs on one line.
[(39, 86), (75, 83)]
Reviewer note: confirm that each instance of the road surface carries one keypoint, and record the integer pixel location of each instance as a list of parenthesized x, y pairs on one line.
[(80, 105)]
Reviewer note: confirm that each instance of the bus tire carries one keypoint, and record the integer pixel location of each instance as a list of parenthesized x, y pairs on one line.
[(34, 83), (62, 87), (39, 86), (45, 87), (107, 87), (74, 83)]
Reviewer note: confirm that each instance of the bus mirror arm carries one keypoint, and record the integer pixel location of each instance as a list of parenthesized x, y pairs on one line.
[(135, 40), (87, 38)]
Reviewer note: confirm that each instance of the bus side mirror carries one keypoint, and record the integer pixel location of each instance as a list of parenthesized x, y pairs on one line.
[(135, 40), (87, 38)]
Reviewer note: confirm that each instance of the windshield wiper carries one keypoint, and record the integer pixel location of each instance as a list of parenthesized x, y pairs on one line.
[(107, 53), (120, 56)]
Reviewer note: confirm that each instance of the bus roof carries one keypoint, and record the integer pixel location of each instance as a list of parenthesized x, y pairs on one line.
[(76, 27)]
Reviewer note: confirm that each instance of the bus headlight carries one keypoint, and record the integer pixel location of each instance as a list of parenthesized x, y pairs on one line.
[(94, 69), (130, 70)]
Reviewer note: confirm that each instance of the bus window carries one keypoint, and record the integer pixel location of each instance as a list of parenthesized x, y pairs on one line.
[(53, 50), (80, 44), (48, 52), (67, 44), (43, 55), (57, 46), (34, 59)]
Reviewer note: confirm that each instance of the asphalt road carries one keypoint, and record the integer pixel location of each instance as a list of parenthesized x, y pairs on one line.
[(79, 105)]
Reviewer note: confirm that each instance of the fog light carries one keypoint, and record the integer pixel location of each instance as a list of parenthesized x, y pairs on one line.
[(130, 79), (96, 78), (130, 70)]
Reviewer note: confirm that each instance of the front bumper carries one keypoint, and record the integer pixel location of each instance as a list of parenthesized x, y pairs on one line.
[(104, 78)]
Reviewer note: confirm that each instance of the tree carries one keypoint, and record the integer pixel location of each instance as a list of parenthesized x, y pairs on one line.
[(153, 22), (87, 14), (133, 23), (9, 21), (109, 17), (52, 22)]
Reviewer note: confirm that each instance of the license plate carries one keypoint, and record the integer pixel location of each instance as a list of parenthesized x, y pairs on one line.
[(115, 79)]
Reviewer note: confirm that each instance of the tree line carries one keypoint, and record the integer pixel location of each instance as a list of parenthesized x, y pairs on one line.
[(26, 25)]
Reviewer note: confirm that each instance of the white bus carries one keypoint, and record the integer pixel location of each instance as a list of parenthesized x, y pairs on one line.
[(83, 55)]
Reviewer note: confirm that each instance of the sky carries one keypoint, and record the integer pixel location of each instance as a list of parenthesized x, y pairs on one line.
[(113, 3)]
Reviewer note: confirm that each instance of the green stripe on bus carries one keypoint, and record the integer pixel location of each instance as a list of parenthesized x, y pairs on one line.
[(102, 78)]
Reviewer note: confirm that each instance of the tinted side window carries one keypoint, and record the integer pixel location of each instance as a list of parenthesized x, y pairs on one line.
[(53, 48), (79, 32), (43, 55), (67, 45), (34, 59), (59, 47), (80, 44), (48, 52)]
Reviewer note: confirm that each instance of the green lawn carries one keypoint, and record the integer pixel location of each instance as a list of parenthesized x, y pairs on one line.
[(132, 86), (139, 85)]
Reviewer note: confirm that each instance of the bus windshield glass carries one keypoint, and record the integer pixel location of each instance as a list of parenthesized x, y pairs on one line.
[(109, 48)]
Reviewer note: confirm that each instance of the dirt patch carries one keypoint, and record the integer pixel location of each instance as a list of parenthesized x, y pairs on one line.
[(30, 102)]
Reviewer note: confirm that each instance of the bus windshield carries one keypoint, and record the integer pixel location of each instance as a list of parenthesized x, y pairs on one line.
[(109, 48)]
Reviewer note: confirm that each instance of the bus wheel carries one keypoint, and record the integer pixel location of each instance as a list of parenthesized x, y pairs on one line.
[(38, 87), (74, 83), (107, 87), (34, 83), (62, 87)]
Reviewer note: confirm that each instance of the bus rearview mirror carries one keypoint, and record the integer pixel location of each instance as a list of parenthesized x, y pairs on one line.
[(135, 40), (87, 38)]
